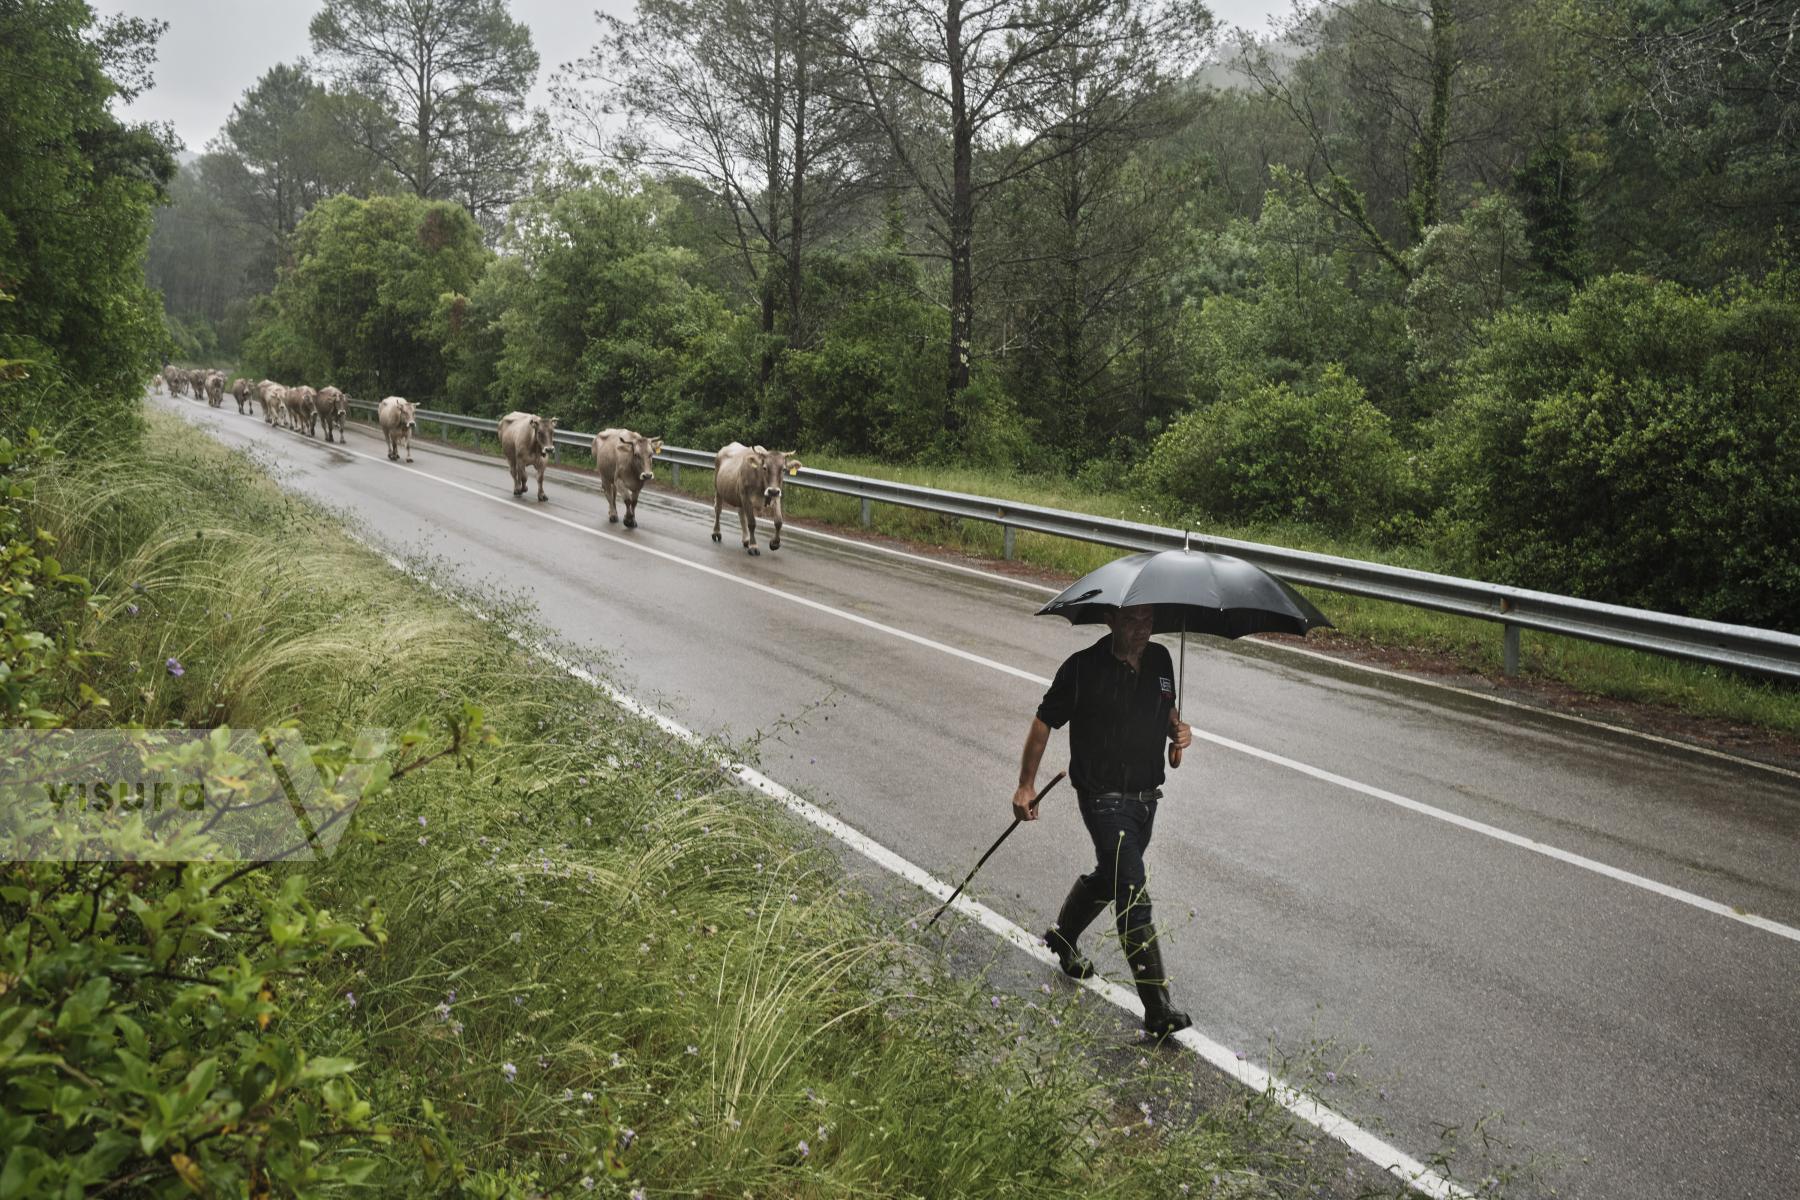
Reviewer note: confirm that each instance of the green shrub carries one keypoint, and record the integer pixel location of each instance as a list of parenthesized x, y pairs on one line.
[(38, 599), (1322, 455), (1641, 448)]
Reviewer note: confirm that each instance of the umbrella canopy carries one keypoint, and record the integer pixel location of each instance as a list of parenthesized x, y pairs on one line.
[(1193, 591)]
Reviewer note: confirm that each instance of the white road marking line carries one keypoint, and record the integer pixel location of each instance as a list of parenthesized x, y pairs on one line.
[(1429, 810), (1283, 647), (1327, 1120)]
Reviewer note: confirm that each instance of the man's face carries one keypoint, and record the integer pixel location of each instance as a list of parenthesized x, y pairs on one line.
[(1131, 626)]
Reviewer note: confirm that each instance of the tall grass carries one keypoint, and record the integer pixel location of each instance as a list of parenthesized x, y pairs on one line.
[(605, 970)]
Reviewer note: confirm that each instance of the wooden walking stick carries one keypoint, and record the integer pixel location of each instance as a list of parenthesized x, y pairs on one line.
[(990, 853)]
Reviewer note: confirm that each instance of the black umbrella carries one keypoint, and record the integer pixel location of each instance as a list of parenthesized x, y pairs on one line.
[(1192, 591)]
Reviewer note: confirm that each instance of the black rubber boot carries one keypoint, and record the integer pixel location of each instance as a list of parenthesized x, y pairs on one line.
[(1079, 910), (1145, 956)]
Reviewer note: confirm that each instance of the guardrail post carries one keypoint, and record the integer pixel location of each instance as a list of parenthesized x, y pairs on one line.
[(1509, 655), (1008, 541), (677, 475), (865, 512)]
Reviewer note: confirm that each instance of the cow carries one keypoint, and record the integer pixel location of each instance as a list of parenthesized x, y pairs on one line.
[(269, 393), (196, 383), (529, 440), (396, 418), (749, 479), (332, 410), (303, 409), (240, 391), (624, 460), (215, 389), (172, 375)]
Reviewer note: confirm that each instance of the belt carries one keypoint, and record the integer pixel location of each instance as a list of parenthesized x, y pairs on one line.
[(1147, 796)]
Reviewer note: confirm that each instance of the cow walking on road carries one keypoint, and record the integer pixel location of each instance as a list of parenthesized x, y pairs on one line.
[(529, 440), (749, 479), (332, 411), (626, 462), (396, 418)]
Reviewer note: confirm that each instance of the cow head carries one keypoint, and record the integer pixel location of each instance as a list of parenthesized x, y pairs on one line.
[(407, 409), (643, 452), (543, 435), (770, 467)]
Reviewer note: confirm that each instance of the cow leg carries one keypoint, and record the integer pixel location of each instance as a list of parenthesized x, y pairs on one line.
[(612, 504), (540, 472), (747, 523), (631, 510), (407, 434), (718, 504)]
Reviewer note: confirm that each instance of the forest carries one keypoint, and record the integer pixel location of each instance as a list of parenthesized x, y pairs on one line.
[(1505, 280)]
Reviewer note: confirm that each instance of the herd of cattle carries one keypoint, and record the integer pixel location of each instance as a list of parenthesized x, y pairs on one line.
[(748, 478)]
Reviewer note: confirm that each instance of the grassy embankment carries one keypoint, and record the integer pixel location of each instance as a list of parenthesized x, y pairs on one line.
[(1601, 671), (596, 950)]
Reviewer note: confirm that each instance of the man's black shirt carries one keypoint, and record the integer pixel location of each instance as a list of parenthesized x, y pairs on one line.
[(1120, 717)]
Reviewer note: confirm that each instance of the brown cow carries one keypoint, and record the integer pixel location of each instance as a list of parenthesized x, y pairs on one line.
[(749, 479), (303, 409), (269, 393), (215, 389), (625, 461), (396, 418), (240, 391), (332, 410), (529, 440)]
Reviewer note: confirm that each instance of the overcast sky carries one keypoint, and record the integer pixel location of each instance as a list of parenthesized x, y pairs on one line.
[(214, 49)]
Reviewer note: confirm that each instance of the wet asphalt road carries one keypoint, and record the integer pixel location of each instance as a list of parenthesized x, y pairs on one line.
[(1623, 1043)]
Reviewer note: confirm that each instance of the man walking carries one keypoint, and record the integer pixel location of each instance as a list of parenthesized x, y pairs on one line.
[(1118, 698)]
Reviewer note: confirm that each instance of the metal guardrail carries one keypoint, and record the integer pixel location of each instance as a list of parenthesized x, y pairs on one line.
[(1740, 647)]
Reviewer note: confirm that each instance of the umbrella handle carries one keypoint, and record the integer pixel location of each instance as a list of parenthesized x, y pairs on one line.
[(1174, 755)]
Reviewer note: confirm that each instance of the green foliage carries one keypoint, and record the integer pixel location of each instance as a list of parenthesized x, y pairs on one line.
[(145, 1040), (356, 308), (1642, 447), (1465, 273), (874, 381), (40, 603), (76, 191), (1322, 455), (1291, 305)]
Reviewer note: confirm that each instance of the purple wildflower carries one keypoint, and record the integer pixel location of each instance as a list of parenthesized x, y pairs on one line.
[(131, 609), (805, 1150), (1331, 1077), (175, 667), (626, 1137), (511, 1072), (350, 999)]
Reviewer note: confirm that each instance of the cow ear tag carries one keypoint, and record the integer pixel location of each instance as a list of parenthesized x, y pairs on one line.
[(793, 470)]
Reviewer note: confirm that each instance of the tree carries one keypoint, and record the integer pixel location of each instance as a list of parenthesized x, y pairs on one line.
[(77, 187), (279, 154), (974, 94), (740, 95), (1702, 118), (359, 304), (435, 90), (1398, 101), (204, 258)]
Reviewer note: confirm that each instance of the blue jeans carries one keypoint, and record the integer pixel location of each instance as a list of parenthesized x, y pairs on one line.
[(1120, 828)]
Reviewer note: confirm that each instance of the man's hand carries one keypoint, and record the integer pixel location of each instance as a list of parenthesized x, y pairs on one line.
[(1180, 733), (1024, 803), (1180, 737)]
